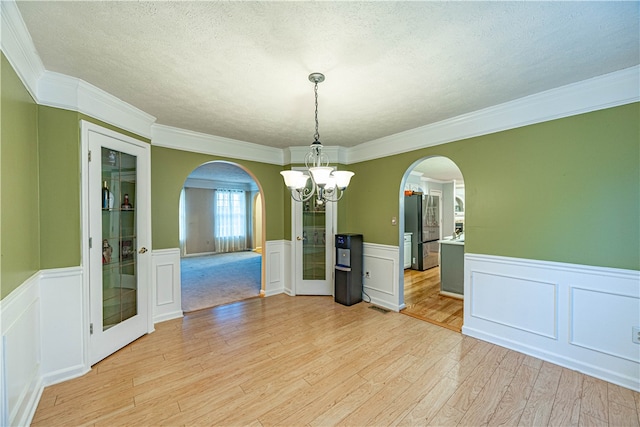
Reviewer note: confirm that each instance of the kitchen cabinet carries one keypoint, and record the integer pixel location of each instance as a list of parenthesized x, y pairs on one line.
[(452, 267), (407, 250)]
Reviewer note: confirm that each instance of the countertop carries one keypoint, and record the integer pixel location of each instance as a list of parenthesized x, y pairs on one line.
[(452, 241)]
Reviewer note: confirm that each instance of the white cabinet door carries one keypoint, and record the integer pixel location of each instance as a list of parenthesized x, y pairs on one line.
[(120, 236)]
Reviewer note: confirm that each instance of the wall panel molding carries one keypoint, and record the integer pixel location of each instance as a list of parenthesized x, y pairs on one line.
[(382, 286), (529, 305), (277, 259), (166, 284), (64, 330)]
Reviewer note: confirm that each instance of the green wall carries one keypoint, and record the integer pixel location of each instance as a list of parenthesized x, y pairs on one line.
[(19, 228), (59, 147), (169, 170), (567, 190)]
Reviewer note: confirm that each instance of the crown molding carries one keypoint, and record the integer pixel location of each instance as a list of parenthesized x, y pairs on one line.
[(18, 47), (61, 91), (606, 91), (186, 140)]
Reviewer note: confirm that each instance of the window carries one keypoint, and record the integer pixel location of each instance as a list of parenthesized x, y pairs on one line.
[(230, 220)]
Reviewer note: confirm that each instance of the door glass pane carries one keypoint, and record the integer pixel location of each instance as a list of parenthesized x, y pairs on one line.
[(313, 241), (119, 283)]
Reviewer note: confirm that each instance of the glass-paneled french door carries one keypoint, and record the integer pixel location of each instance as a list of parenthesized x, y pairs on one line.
[(313, 232), (119, 240)]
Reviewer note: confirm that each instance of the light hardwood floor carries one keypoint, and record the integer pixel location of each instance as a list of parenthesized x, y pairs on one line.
[(301, 361), (423, 300)]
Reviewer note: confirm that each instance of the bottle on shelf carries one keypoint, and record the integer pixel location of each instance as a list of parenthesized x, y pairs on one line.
[(107, 251), (126, 205), (105, 196)]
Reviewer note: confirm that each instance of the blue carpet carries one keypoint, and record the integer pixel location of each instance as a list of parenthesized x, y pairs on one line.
[(209, 281)]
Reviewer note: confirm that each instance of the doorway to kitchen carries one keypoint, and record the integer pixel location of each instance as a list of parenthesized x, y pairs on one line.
[(433, 235), (221, 236)]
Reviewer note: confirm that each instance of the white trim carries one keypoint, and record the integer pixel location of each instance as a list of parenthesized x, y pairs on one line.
[(577, 316), (70, 93), (186, 140), (598, 93)]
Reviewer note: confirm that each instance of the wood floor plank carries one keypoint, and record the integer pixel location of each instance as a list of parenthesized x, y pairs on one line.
[(431, 403), (447, 416), (302, 411), (595, 399), (620, 415), (566, 405), (467, 392), (513, 402), (487, 401), (538, 408)]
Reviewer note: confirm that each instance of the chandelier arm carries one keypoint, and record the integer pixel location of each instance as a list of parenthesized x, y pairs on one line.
[(307, 193), (333, 195)]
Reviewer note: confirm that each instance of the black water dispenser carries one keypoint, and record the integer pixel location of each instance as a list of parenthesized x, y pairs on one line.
[(348, 274)]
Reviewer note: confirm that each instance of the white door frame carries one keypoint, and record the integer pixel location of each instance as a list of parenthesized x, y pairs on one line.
[(144, 220)]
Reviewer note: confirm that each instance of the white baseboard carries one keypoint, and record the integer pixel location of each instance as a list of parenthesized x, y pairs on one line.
[(575, 316)]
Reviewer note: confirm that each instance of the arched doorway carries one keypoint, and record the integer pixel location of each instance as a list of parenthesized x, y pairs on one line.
[(221, 236), (433, 213)]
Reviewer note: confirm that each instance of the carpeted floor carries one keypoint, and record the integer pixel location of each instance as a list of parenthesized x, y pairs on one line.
[(212, 280)]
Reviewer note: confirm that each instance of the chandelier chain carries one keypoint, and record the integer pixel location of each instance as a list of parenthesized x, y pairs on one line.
[(317, 134)]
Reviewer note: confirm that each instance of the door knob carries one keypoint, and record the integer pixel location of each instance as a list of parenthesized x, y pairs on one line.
[(143, 250), (298, 238)]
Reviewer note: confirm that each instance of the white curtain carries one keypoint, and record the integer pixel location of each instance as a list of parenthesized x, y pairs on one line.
[(230, 220)]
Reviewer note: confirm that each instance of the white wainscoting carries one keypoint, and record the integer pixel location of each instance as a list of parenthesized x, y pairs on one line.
[(166, 294), (44, 332), (382, 285), (278, 267), (575, 316), (63, 325), (21, 357)]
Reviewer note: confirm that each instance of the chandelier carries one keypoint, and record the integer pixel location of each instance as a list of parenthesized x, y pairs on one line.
[(326, 183)]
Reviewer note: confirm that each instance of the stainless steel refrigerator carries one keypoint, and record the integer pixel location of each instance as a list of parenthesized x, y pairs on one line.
[(422, 219)]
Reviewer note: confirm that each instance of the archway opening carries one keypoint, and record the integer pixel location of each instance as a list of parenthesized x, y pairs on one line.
[(221, 236), (433, 242)]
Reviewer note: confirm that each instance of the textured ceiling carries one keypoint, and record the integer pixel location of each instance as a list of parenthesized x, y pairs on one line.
[(239, 69)]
